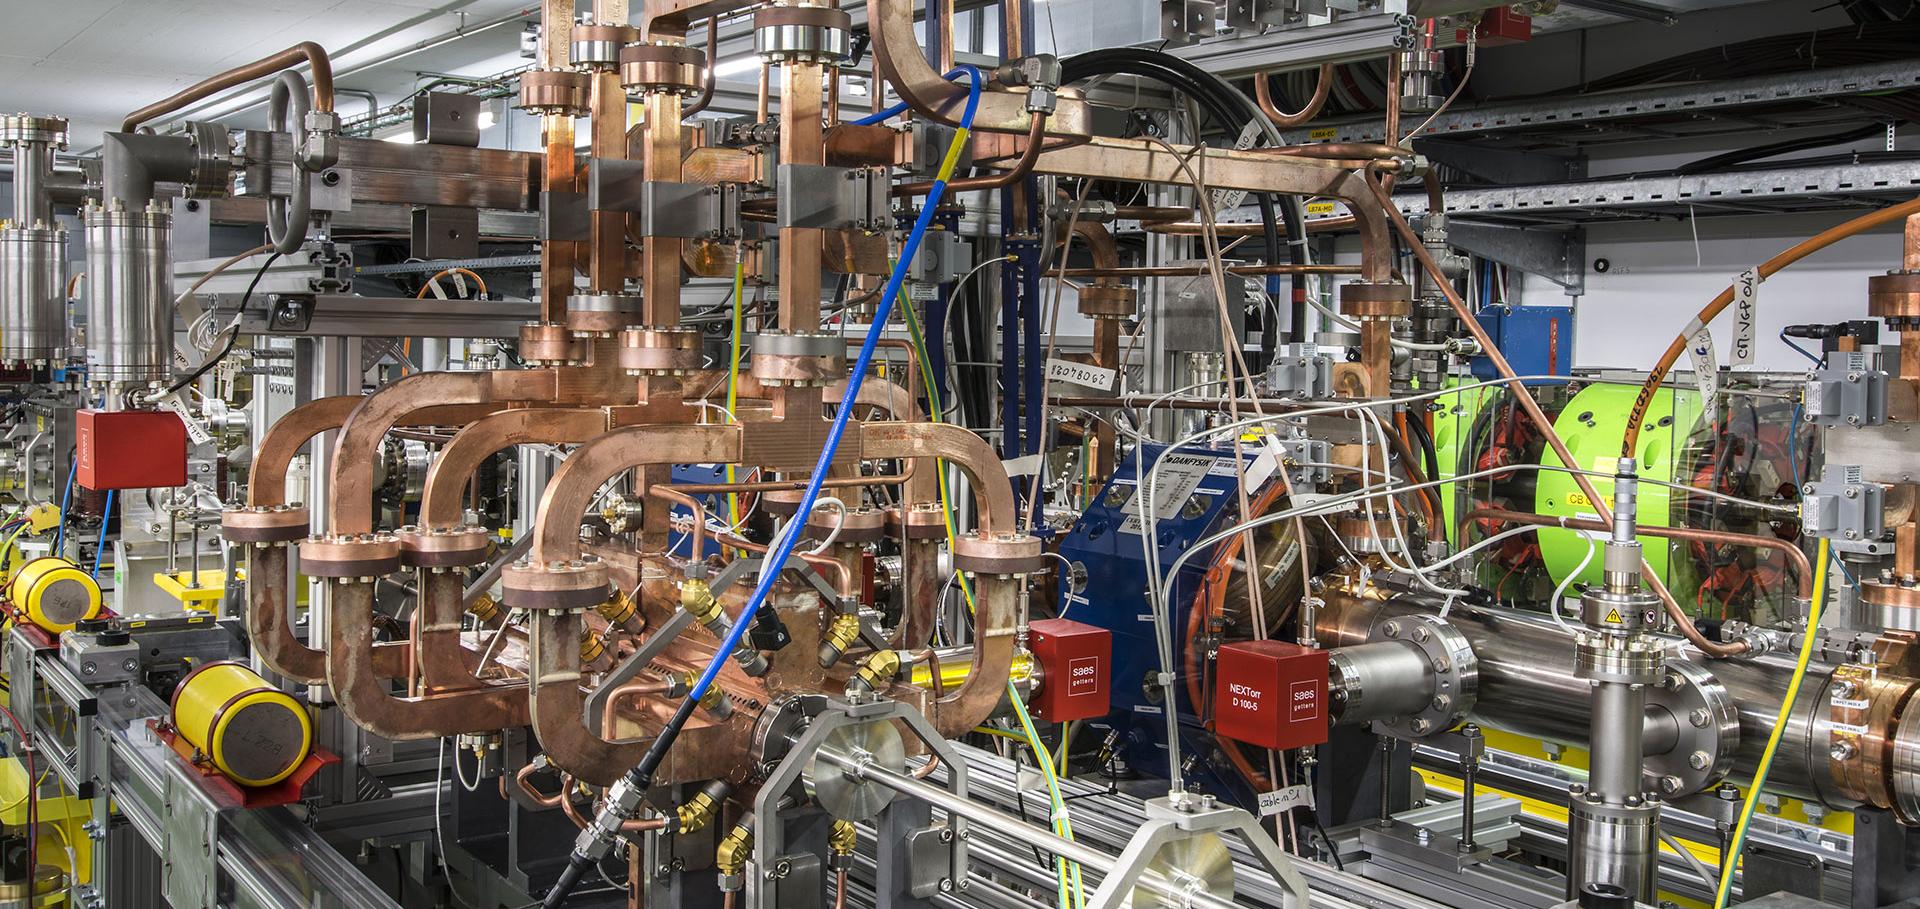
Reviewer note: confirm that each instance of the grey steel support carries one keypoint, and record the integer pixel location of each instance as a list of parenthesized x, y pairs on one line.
[(1559, 255)]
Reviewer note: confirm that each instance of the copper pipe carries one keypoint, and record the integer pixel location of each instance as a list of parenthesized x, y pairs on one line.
[(1910, 255), (1360, 151), (842, 579), (706, 88), (1036, 140), (840, 889), (699, 534), (643, 824), (1263, 94), (1802, 568), (313, 54), (1394, 77), (1152, 214), (926, 770), (1245, 228), (522, 778), (1175, 271), (785, 485), (766, 88), (566, 802), (945, 49)]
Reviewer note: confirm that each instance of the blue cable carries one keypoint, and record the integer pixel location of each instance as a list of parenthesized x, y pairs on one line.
[(641, 776), (1800, 350), (60, 537), (100, 545), (883, 115), (790, 535)]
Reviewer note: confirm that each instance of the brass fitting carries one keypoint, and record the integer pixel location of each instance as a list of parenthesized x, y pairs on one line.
[(879, 670), (591, 648), (623, 611), (698, 600), (697, 812), (841, 633), (485, 609), (843, 838), (716, 702), (730, 857)]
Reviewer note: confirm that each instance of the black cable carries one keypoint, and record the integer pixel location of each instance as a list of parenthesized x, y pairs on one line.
[(1745, 155), (233, 334), (1428, 451)]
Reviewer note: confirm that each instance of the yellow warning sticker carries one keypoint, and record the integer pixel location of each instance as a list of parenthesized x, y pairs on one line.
[(1614, 616), (1325, 132), (1320, 208)]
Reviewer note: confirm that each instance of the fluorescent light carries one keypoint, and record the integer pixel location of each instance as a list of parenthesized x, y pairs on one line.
[(736, 67), (486, 119)]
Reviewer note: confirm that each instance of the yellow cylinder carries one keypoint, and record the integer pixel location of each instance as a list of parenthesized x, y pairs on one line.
[(54, 593), (254, 733)]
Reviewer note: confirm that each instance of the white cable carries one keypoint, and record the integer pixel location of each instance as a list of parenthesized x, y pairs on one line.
[(439, 832), (834, 534), (461, 775), (1554, 605)]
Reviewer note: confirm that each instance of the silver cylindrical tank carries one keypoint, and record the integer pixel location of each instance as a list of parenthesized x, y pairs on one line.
[(33, 297), (129, 295)]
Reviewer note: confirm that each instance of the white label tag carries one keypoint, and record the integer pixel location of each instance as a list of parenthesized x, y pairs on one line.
[(1023, 466), (1099, 378), (1746, 302), (1295, 796), (1225, 200), (172, 404), (1706, 366), (1266, 463)]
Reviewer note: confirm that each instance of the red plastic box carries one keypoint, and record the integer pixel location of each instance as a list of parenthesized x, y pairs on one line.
[(1271, 694), (1074, 661), (1500, 25), (129, 449)]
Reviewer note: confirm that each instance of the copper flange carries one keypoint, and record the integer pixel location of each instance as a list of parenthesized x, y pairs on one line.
[(857, 526), (1375, 301), (673, 69), (808, 34), (578, 584), (600, 315), (925, 521), (998, 554), (1359, 531), (366, 555), (598, 46), (443, 547), (781, 501), (1867, 704), (555, 91), (1894, 296), (551, 344), (798, 358), (264, 525), (1109, 301), (659, 350)]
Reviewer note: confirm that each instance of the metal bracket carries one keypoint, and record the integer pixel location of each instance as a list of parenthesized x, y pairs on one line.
[(834, 198), (1559, 255), (563, 216), (1167, 825), (189, 858)]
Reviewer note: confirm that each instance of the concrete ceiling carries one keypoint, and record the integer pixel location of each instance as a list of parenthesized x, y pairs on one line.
[(92, 61)]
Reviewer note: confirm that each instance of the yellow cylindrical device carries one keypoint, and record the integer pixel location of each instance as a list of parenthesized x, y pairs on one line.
[(254, 733), (54, 593)]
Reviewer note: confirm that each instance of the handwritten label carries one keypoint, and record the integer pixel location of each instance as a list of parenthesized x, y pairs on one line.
[(1024, 466), (1746, 301), (1706, 366), (1084, 374), (1295, 796), (172, 404)]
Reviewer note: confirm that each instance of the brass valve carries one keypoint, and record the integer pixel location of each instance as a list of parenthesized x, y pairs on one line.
[(879, 670), (623, 611), (716, 702), (485, 609), (841, 840), (841, 634), (591, 648), (698, 600), (730, 857), (697, 812)]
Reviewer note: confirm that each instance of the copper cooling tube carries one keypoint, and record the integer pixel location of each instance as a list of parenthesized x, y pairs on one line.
[(1152, 214), (1340, 151), (699, 533), (1036, 140), (566, 802), (1245, 228), (307, 51), (638, 688), (706, 88), (1263, 95), (1682, 621), (1803, 570), (523, 779), (842, 580), (790, 485), (1178, 271)]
